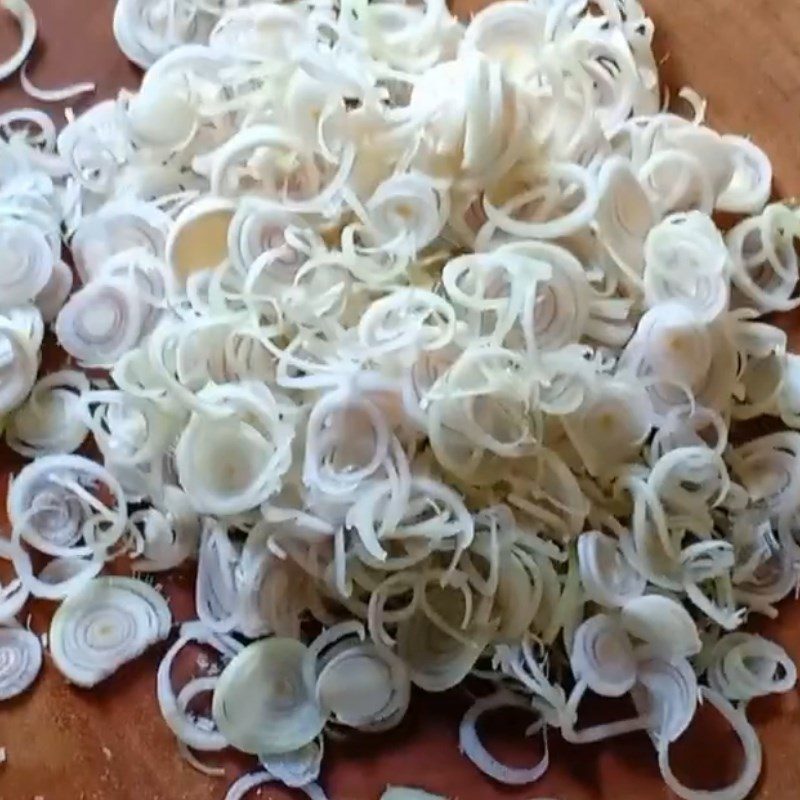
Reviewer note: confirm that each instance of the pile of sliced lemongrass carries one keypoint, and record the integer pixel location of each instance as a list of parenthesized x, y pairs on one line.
[(424, 343)]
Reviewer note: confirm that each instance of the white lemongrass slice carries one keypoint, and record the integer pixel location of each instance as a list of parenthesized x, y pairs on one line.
[(408, 793), (744, 666), (52, 297), (686, 259), (49, 421), (751, 183), (198, 240), (13, 594), (751, 746), (240, 788), (58, 95), (108, 623), (216, 590), (297, 768), (663, 623), (227, 466), (361, 689), (20, 660), (161, 116), (27, 262), (51, 499), (19, 361), (117, 226), (607, 576), (101, 322), (476, 752), (603, 656), (199, 733), (262, 704), (667, 694), (26, 20), (168, 538)]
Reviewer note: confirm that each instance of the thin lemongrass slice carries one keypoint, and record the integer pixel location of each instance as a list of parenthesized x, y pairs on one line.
[(751, 746), (26, 20), (262, 704), (197, 733), (297, 768), (20, 660), (49, 421), (603, 656), (252, 780), (408, 793), (667, 694), (58, 95), (109, 622), (476, 751), (663, 623)]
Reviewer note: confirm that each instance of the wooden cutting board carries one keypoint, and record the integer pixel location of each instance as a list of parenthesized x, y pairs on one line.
[(110, 744)]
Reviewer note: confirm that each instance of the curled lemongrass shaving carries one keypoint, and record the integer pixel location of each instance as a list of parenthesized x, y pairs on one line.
[(20, 660), (52, 503), (53, 95), (19, 361), (663, 623), (106, 624), (475, 751), (297, 768), (27, 23), (751, 747), (48, 421)]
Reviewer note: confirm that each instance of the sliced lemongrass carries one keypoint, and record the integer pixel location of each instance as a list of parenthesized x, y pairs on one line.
[(26, 20), (286, 716), (297, 768), (106, 624), (252, 780), (20, 660), (607, 577), (662, 623), (407, 793), (191, 731), (751, 746), (49, 420), (476, 751), (58, 95), (603, 656)]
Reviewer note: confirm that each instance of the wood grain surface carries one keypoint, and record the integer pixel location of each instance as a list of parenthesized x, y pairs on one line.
[(110, 744)]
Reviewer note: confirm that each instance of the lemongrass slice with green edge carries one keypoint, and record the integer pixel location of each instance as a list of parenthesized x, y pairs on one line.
[(20, 660), (262, 703), (106, 624)]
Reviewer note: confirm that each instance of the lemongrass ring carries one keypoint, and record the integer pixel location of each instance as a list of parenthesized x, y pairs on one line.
[(108, 623), (26, 20), (475, 751), (287, 716), (20, 661)]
